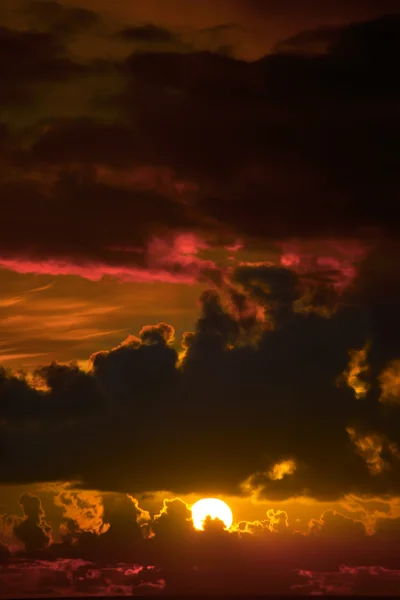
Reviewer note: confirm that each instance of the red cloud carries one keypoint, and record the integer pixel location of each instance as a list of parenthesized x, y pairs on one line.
[(93, 271), (332, 260), (351, 580), (169, 260)]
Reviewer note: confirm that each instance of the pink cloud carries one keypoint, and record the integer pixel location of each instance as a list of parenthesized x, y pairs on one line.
[(333, 259), (94, 271), (350, 580), (172, 260), (66, 577), (181, 254), (235, 247), (182, 250)]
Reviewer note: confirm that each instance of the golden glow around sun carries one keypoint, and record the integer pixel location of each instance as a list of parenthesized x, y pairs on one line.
[(211, 507)]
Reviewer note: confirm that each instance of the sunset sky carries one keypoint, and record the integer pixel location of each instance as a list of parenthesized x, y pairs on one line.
[(199, 296)]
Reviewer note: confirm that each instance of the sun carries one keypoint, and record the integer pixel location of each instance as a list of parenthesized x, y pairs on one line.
[(211, 507)]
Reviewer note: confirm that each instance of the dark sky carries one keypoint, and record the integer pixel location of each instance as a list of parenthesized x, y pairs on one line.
[(199, 292)]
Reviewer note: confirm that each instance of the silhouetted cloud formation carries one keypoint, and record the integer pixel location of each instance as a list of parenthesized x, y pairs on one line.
[(257, 406), (33, 530)]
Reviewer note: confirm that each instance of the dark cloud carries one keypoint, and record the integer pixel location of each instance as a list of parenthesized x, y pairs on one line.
[(333, 524), (71, 391), (86, 141), (61, 234), (149, 34), (230, 129), (37, 57), (311, 42), (372, 42), (287, 113), (33, 530), (4, 553), (30, 60), (61, 19), (309, 433)]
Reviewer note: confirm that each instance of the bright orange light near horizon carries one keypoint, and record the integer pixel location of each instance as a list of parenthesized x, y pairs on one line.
[(211, 507)]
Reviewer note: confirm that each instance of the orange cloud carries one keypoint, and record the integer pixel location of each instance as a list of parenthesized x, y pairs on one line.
[(390, 383), (279, 470), (83, 507), (357, 366), (278, 520), (371, 448)]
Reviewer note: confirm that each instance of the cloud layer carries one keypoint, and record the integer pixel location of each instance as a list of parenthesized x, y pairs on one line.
[(135, 552), (177, 141)]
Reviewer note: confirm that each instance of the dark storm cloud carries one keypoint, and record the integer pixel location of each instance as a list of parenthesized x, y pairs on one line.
[(289, 145), (286, 113), (78, 203), (253, 406)]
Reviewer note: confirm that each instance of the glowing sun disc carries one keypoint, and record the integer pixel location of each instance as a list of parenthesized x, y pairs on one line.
[(211, 507)]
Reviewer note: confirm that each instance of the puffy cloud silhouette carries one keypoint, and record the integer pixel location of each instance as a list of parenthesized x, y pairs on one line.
[(174, 520), (333, 524), (33, 530)]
